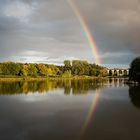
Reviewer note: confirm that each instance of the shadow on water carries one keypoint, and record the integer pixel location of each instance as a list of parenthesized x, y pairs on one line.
[(134, 93)]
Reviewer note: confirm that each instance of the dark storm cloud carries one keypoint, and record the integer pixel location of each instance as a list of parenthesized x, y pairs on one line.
[(115, 24), (48, 30)]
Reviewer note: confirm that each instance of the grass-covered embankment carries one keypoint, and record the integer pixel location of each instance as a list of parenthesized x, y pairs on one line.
[(5, 78)]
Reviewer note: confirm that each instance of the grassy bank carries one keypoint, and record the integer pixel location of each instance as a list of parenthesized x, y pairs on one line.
[(14, 79), (39, 78)]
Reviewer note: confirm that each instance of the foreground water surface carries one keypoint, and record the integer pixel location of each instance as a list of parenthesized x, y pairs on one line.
[(70, 110)]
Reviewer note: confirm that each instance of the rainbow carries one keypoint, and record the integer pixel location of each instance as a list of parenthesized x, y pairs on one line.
[(87, 31), (92, 110), (96, 54)]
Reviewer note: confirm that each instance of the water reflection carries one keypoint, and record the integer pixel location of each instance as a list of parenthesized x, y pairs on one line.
[(134, 93), (100, 110), (117, 82), (70, 86), (91, 112)]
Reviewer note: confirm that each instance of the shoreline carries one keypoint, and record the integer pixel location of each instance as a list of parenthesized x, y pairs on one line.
[(133, 83), (20, 79)]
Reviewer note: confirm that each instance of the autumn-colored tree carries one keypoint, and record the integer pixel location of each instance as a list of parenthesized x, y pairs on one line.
[(42, 70)]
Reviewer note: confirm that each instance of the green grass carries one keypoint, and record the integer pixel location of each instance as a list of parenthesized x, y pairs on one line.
[(10, 78)]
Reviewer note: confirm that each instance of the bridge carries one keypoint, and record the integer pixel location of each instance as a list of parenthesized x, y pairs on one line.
[(118, 72)]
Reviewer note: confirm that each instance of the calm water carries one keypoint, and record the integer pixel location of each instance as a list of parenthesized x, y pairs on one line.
[(70, 110)]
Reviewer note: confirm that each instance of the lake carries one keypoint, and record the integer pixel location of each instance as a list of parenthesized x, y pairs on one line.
[(70, 110)]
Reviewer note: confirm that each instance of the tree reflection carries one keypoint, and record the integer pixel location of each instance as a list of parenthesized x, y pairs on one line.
[(74, 87), (134, 93)]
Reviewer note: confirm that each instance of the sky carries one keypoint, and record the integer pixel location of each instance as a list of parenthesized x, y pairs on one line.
[(48, 31)]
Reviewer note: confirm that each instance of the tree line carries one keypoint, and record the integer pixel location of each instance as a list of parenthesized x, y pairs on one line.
[(70, 68)]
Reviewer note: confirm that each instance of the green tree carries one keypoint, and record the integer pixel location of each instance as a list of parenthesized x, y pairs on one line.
[(10, 68), (80, 67), (67, 66), (67, 63), (52, 70), (42, 70), (24, 70), (32, 70), (134, 73), (67, 74), (103, 73)]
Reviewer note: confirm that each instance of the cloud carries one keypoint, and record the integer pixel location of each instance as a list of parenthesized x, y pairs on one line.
[(42, 59), (115, 21), (17, 10), (50, 29)]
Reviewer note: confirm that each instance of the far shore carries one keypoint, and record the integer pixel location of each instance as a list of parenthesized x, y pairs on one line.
[(41, 78)]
